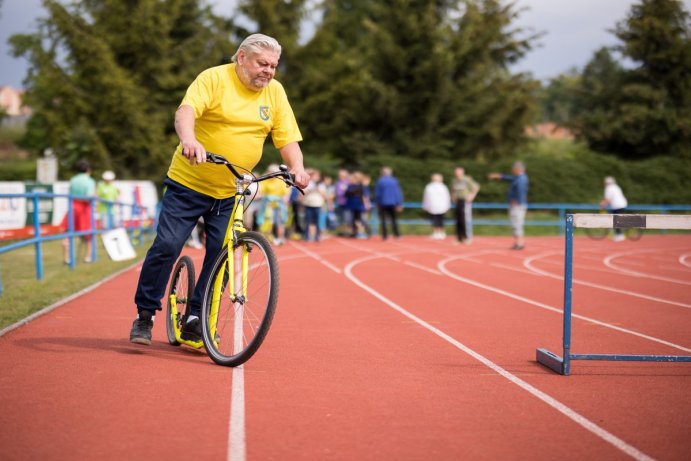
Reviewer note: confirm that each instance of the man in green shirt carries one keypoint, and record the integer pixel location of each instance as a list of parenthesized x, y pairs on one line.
[(463, 191), (106, 190)]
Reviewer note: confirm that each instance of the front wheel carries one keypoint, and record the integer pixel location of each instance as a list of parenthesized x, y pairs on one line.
[(236, 316), (634, 234), (180, 291)]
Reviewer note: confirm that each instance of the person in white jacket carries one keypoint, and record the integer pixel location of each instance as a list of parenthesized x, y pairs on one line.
[(436, 201), (615, 201)]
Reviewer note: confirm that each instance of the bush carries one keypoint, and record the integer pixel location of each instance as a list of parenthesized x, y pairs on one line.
[(559, 172)]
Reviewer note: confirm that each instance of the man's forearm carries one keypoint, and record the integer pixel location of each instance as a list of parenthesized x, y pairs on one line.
[(184, 123), (292, 156)]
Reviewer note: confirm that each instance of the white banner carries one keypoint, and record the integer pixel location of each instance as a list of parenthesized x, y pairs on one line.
[(12, 210)]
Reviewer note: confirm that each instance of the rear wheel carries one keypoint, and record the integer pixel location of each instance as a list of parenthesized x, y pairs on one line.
[(182, 287), (234, 325), (596, 233)]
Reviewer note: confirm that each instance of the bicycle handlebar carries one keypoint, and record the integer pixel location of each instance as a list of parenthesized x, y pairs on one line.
[(283, 172)]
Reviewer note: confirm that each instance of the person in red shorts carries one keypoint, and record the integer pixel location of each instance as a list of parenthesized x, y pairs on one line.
[(81, 185)]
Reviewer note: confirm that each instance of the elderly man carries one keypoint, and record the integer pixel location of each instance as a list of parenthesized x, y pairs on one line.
[(518, 201), (228, 110), (463, 191)]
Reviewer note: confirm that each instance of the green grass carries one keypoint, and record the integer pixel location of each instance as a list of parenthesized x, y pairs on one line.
[(23, 294)]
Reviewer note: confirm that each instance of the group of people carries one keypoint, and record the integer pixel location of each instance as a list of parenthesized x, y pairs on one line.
[(437, 201), (82, 187), (342, 206), (277, 210)]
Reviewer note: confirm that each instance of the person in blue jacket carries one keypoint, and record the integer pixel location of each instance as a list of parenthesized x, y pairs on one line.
[(389, 200), (518, 201)]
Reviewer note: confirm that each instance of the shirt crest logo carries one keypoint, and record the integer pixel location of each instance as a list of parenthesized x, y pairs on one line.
[(264, 113)]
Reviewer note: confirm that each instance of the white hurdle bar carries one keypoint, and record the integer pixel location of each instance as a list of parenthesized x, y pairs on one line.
[(562, 365)]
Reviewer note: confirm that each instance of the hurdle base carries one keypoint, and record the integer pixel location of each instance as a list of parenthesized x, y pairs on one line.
[(551, 361)]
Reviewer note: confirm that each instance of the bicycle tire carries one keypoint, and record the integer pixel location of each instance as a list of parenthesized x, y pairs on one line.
[(182, 285), (596, 233), (634, 234), (253, 314)]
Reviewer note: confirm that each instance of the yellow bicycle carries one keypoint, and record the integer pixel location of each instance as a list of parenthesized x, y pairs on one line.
[(241, 295)]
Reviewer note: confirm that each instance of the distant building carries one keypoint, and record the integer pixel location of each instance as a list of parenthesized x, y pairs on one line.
[(548, 130), (12, 102)]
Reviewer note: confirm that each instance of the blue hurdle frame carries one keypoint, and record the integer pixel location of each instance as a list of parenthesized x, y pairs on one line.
[(562, 365)]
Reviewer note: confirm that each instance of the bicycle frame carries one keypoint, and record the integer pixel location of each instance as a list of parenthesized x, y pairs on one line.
[(237, 276), (178, 334), (235, 227)]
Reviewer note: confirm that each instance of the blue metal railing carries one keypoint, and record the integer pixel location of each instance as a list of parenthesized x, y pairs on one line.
[(134, 225)]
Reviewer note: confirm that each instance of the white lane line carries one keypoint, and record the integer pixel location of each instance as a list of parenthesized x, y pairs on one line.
[(423, 268), (237, 448), (316, 257), (685, 260), (442, 267), (552, 402), (509, 268), (608, 261), (528, 263)]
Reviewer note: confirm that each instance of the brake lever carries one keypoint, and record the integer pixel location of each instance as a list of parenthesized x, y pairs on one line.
[(215, 158)]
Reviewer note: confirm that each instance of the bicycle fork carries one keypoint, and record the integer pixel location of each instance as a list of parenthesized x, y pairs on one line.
[(237, 268)]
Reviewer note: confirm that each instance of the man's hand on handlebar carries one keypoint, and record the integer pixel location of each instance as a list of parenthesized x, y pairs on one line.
[(194, 151), (302, 178)]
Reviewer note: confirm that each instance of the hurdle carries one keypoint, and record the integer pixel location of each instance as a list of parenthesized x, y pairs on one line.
[(562, 365)]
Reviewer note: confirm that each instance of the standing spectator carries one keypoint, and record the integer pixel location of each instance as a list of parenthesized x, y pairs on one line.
[(436, 201), (367, 199), (463, 191), (106, 190), (389, 200), (615, 201), (295, 201), (273, 212), (357, 198), (229, 109), (313, 201), (340, 200), (82, 186), (252, 206), (329, 215), (518, 201)]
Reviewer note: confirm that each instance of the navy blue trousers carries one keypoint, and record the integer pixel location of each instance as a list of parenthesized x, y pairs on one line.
[(181, 209)]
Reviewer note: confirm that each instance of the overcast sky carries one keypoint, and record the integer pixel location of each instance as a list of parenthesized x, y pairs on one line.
[(573, 29)]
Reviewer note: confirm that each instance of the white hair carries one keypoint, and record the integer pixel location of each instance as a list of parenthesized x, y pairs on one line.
[(610, 180), (255, 43)]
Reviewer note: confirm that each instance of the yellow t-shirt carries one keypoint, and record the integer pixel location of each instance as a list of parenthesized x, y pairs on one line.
[(233, 121), (273, 187)]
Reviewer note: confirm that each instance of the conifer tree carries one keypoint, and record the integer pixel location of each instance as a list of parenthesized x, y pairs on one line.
[(644, 110), (106, 76), (416, 78)]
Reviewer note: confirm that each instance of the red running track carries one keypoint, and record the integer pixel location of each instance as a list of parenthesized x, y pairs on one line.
[(409, 349)]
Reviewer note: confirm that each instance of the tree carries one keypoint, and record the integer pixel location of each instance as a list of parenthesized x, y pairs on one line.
[(643, 111), (99, 93), (416, 78), (559, 99)]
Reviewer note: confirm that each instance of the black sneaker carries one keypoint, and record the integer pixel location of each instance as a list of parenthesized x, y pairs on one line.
[(192, 330), (141, 328)]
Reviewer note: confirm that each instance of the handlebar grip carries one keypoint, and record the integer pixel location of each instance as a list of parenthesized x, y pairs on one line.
[(215, 158)]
